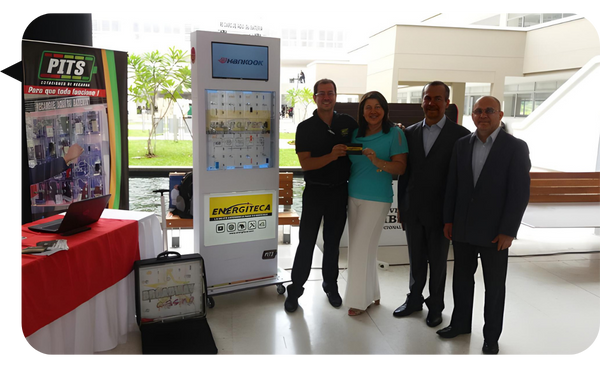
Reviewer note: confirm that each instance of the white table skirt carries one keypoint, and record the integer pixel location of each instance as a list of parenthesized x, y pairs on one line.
[(103, 322)]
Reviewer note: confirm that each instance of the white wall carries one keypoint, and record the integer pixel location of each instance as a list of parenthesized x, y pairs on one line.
[(406, 53), (564, 46), (350, 79), (563, 134)]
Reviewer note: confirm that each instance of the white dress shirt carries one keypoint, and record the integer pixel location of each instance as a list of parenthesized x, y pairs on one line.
[(481, 150), (430, 134)]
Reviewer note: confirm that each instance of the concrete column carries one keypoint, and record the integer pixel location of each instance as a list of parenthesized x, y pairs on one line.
[(457, 97), (497, 89)]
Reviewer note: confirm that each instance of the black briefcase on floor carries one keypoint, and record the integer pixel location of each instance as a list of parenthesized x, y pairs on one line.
[(170, 301)]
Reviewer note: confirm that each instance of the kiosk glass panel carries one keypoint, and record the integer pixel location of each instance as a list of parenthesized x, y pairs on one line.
[(238, 129)]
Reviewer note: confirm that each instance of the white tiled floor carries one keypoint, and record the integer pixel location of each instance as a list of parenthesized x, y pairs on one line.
[(552, 308)]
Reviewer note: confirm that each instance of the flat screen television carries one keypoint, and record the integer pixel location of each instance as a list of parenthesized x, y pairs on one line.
[(236, 61)]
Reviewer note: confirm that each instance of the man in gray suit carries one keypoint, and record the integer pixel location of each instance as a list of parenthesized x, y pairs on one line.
[(486, 196), (421, 199)]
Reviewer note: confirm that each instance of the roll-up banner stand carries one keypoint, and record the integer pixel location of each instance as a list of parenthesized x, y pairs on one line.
[(235, 92), (74, 95)]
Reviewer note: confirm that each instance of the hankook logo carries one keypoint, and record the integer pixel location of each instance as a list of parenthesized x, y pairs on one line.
[(225, 60)]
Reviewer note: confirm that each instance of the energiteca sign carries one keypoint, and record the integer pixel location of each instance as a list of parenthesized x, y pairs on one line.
[(60, 66), (233, 207), (239, 217)]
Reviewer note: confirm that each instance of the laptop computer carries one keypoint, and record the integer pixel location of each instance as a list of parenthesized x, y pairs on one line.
[(79, 214)]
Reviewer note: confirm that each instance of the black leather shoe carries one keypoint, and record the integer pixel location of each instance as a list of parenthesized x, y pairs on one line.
[(451, 332), (490, 348), (433, 319), (334, 297), (291, 303), (406, 309)]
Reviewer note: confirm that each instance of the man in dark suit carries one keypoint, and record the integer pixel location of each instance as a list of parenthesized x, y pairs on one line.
[(486, 196), (421, 199)]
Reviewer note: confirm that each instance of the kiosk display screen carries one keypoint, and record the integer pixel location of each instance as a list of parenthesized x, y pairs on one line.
[(235, 61)]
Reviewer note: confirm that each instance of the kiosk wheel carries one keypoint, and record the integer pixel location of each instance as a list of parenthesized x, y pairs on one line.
[(280, 289), (210, 301)]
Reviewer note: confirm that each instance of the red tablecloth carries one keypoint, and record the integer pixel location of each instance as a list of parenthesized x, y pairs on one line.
[(54, 285)]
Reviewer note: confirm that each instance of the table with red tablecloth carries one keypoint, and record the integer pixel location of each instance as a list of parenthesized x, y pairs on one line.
[(84, 293), (56, 284)]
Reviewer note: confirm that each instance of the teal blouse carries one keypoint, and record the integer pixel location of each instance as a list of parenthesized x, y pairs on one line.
[(365, 182)]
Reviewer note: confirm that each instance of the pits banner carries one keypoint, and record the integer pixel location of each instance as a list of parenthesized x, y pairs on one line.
[(54, 70), (75, 95)]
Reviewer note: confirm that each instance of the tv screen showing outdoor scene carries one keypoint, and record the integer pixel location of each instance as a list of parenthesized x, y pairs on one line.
[(235, 61)]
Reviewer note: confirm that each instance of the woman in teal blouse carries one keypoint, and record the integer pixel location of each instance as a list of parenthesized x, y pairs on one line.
[(370, 196)]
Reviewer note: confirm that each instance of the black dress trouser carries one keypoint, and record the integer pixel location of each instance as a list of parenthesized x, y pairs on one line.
[(320, 202), (494, 264), (427, 247)]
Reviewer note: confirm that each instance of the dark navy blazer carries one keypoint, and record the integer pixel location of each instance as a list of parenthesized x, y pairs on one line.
[(422, 188), (497, 203)]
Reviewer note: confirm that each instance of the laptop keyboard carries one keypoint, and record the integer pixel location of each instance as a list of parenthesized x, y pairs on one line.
[(52, 225)]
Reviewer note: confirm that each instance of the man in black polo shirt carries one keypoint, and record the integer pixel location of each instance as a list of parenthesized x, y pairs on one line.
[(321, 147)]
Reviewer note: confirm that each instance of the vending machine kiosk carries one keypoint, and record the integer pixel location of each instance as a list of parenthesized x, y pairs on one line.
[(235, 92)]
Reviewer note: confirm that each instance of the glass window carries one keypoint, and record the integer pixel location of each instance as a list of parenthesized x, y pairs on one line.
[(467, 106), (539, 98), (105, 25), (516, 22), (147, 27), (155, 28), (511, 88), (329, 35), (548, 17), (472, 99), (531, 20), (136, 27), (115, 26), (527, 86), (516, 15), (402, 97), (524, 104), (509, 105)]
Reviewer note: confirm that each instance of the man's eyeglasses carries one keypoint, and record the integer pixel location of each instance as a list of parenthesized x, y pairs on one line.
[(488, 111), (322, 94)]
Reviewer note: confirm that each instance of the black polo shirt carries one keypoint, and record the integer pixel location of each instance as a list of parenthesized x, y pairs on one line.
[(315, 136)]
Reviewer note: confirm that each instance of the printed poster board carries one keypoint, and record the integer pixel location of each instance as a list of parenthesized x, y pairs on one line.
[(239, 217)]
